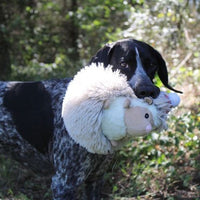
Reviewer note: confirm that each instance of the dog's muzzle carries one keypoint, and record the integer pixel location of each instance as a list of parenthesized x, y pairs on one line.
[(145, 89)]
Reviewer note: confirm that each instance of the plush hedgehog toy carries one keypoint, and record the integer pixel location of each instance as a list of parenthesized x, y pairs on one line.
[(101, 112)]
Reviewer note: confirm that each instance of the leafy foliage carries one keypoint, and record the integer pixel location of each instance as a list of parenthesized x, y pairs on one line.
[(46, 31)]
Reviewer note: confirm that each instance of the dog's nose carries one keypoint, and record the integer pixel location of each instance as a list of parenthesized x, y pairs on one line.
[(146, 91)]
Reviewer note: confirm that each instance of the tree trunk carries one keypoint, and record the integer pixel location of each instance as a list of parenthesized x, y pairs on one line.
[(70, 31), (5, 63)]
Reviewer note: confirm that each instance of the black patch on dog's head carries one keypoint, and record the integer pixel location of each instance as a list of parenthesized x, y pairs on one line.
[(30, 107), (122, 56)]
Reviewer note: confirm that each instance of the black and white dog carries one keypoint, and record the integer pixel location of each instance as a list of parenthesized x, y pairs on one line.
[(122, 55), (32, 129)]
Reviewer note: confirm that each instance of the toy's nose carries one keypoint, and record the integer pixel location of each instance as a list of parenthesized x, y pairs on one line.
[(142, 91)]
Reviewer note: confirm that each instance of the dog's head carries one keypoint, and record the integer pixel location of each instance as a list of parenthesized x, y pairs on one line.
[(139, 62)]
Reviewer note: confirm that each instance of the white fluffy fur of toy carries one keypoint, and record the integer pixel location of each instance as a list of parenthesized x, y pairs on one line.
[(83, 104)]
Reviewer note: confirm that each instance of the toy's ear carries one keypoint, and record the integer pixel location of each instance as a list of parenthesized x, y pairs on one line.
[(148, 100), (127, 103), (106, 104)]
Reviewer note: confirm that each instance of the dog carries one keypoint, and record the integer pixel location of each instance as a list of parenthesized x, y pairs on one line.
[(32, 129)]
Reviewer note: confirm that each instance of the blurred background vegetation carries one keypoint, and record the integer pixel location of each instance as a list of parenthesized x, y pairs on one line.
[(54, 39)]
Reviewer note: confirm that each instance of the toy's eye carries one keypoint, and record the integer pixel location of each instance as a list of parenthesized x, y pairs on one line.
[(146, 116)]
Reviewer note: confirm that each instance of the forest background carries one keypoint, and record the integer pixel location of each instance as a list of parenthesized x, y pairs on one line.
[(42, 39)]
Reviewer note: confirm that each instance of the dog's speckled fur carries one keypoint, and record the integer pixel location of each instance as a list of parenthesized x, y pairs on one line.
[(77, 173), (12, 143)]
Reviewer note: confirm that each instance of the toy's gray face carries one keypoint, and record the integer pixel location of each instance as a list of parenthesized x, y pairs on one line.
[(138, 121)]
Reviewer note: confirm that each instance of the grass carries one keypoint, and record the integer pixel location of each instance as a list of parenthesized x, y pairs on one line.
[(17, 183), (167, 167)]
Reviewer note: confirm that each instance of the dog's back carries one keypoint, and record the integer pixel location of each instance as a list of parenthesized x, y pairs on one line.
[(27, 121)]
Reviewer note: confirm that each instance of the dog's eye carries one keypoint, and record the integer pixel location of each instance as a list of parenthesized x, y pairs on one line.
[(124, 65)]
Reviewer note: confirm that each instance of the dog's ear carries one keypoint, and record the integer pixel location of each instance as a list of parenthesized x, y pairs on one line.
[(103, 55), (163, 73)]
